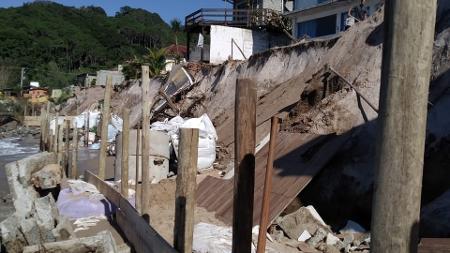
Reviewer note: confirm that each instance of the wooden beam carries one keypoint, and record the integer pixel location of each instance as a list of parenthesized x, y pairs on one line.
[(405, 78), (264, 219), (185, 191), (145, 188), (125, 151), (137, 231), (244, 179), (104, 130)]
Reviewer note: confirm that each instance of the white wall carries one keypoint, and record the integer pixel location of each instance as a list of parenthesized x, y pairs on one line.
[(222, 48), (116, 77)]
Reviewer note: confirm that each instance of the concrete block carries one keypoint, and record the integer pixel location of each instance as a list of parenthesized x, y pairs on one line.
[(303, 219), (48, 177)]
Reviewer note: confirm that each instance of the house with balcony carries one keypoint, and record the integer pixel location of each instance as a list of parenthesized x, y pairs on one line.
[(320, 18), (235, 33)]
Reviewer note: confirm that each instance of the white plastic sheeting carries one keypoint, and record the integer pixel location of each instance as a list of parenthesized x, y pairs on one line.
[(82, 200), (207, 137), (80, 120)]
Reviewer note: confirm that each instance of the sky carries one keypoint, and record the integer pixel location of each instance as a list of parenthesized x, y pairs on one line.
[(167, 9)]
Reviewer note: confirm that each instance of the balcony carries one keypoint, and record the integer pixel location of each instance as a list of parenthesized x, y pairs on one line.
[(231, 17)]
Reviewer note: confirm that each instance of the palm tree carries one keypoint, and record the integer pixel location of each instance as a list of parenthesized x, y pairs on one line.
[(156, 59), (175, 25)]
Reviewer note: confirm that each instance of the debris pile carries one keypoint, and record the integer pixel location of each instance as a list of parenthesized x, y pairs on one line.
[(36, 222)]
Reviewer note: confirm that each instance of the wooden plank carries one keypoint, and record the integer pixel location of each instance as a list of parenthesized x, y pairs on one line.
[(185, 190), (244, 177), (137, 231)]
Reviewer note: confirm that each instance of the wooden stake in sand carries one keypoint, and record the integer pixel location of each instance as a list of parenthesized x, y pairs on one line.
[(244, 178), (104, 131), (185, 192), (405, 78), (125, 151), (74, 168), (145, 188)]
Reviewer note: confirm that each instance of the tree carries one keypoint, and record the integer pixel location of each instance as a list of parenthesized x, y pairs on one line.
[(156, 60), (175, 25)]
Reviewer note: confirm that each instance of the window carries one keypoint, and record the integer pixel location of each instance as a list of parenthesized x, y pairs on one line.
[(317, 27)]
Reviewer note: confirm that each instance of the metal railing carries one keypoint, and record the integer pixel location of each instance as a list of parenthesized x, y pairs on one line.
[(229, 17)]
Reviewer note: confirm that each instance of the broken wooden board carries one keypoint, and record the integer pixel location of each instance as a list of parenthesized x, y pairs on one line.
[(299, 157), (138, 232)]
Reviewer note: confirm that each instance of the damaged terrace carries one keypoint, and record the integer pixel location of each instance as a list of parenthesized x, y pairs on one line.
[(274, 152)]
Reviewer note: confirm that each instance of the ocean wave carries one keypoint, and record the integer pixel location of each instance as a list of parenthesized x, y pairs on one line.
[(12, 146)]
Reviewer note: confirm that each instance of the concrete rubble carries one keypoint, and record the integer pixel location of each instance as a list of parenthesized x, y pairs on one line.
[(36, 222)]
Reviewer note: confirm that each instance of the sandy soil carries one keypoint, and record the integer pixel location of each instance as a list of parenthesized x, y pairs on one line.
[(162, 209)]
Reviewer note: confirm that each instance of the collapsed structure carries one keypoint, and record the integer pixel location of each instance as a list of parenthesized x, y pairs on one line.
[(327, 92)]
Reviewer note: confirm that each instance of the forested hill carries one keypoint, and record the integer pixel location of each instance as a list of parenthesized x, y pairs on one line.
[(56, 42)]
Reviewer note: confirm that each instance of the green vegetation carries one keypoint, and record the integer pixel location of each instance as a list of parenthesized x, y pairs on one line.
[(155, 59), (55, 43)]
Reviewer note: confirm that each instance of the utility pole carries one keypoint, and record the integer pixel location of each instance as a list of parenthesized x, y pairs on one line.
[(405, 77)]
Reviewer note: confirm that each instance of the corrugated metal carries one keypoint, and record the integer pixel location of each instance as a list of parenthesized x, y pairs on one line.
[(299, 158)]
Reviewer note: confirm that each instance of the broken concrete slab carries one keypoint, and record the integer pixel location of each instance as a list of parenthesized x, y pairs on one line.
[(103, 242), (318, 237), (48, 177), (296, 223)]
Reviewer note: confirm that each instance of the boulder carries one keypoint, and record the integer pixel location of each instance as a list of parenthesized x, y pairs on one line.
[(48, 177), (318, 237), (305, 218)]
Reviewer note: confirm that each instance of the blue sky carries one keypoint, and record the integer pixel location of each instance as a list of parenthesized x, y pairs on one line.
[(167, 9)]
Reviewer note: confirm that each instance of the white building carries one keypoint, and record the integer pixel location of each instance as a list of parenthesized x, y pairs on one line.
[(318, 18)]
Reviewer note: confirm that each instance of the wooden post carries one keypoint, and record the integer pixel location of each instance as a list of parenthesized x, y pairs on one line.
[(66, 146), (104, 133), (145, 188), (125, 151), (42, 130), (405, 77), (264, 219), (60, 144), (244, 176), (74, 167), (86, 134), (56, 133), (185, 191), (138, 147), (47, 140)]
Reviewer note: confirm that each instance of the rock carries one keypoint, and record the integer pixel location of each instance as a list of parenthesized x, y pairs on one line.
[(64, 230), (305, 218), (304, 236), (11, 238), (305, 248), (102, 242), (9, 126), (318, 237), (48, 177), (331, 249), (331, 239)]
